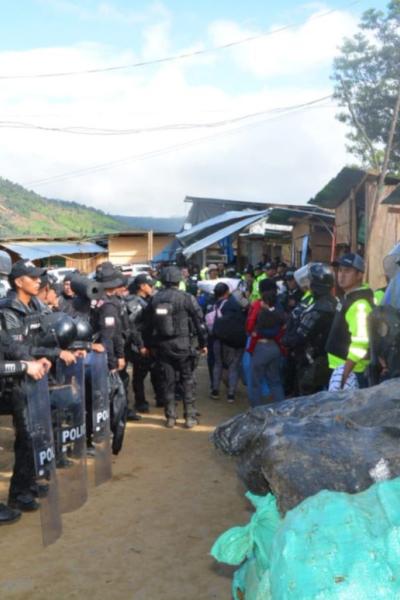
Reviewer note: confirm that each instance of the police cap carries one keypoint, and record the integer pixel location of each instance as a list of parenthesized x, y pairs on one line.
[(27, 268)]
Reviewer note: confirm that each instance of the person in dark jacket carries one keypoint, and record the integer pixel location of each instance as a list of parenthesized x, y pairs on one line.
[(291, 294), (67, 295), (138, 349), (108, 316), (225, 355), (174, 315), (308, 337), (13, 371), (21, 315)]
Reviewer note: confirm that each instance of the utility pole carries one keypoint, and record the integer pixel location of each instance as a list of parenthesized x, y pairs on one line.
[(381, 181)]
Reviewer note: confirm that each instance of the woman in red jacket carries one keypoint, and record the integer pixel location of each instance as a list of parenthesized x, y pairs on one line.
[(265, 325)]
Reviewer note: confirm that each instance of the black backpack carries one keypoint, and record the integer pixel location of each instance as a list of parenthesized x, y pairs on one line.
[(230, 329), (164, 320)]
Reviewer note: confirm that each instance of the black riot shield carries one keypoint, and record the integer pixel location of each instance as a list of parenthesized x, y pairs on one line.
[(101, 416), (39, 418), (69, 422)]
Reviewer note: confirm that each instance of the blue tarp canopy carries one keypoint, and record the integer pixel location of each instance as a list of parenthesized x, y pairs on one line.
[(39, 250), (207, 236), (168, 253)]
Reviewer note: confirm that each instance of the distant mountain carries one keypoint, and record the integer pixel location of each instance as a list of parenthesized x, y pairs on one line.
[(23, 213), (156, 224)]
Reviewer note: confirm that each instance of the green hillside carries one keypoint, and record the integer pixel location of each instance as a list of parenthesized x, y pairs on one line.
[(23, 212)]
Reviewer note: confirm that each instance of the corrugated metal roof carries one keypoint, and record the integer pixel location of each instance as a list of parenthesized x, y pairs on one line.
[(203, 209), (38, 250), (215, 236), (340, 187), (393, 198), (214, 224)]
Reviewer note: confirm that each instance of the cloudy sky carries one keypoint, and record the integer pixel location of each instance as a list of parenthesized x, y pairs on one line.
[(137, 140)]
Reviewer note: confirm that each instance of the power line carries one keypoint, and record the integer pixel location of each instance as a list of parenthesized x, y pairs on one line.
[(168, 127), (176, 57), (161, 151)]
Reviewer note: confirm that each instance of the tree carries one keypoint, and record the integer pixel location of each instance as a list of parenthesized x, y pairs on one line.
[(367, 86)]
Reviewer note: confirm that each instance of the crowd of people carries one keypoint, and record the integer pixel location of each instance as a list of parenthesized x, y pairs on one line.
[(283, 331), (290, 332)]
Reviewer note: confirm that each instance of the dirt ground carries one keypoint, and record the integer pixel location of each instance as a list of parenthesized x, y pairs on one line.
[(146, 534)]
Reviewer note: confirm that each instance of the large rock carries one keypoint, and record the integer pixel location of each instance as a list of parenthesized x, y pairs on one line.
[(343, 441)]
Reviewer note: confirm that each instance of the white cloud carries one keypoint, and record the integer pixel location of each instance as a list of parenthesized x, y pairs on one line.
[(291, 51), (282, 160)]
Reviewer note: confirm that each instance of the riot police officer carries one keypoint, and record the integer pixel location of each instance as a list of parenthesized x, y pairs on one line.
[(108, 316), (141, 291), (21, 318), (307, 340), (174, 314), (11, 372)]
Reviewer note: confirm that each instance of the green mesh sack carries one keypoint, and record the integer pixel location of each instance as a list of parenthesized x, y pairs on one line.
[(250, 546), (340, 546), (332, 546)]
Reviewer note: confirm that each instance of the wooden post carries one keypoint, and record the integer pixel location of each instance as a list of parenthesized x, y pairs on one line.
[(150, 245), (353, 222)]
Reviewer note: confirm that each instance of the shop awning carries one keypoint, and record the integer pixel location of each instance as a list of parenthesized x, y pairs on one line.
[(205, 238), (39, 250), (214, 224)]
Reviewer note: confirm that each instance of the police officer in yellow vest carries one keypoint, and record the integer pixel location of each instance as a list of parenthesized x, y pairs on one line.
[(183, 282), (259, 275), (348, 341)]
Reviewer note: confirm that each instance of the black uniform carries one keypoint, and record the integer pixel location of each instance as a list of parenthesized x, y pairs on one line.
[(23, 325), (141, 337), (307, 341), (110, 330), (13, 372), (174, 316), (290, 298)]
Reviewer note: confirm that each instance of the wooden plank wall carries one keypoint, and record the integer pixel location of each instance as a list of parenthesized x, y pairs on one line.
[(384, 234)]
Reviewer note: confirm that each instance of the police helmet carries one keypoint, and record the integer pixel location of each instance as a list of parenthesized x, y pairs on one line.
[(60, 330), (84, 331), (170, 276), (5, 263), (302, 276), (321, 278)]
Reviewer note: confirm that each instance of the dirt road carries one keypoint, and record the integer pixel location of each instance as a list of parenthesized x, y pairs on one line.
[(145, 535)]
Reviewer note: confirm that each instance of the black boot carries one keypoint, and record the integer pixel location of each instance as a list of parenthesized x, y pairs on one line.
[(132, 415), (24, 502), (8, 515)]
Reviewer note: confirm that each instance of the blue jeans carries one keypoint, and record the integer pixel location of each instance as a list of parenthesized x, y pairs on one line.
[(266, 364)]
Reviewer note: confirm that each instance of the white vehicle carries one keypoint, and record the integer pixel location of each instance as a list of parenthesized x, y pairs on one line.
[(133, 270), (59, 274)]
